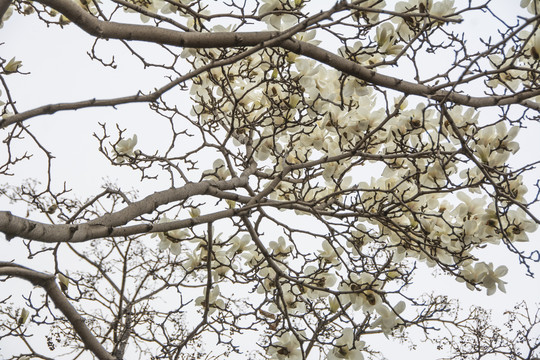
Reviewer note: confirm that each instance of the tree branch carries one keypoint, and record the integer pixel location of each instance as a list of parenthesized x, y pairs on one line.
[(4, 5), (114, 30), (48, 283), (103, 226)]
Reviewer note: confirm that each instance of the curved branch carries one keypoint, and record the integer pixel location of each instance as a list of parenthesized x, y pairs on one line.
[(114, 30), (48, 283), (351, 68), (14, 226), (146, 33)]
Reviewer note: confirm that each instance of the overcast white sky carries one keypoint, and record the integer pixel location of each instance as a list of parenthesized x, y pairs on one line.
[(61, 71)]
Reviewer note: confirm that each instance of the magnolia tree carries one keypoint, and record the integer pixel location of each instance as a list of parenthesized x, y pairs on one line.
[(318, 158)]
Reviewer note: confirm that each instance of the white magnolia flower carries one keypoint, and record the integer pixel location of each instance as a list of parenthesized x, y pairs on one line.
[(519, 226), (333, 304), (290, 299), (511, 79), (531, 5), (319, 278), (212, 302), (484, 275), (124, 148), (362, 296), (470, 208), (443, 8), (388, 318), (240, 244), (171, 239), (280, 248), (387, 39), (286, 348), (6, 16), (491, 279), (219, 171), (328, 254), (193, 260), (347, 347), (370, 16)]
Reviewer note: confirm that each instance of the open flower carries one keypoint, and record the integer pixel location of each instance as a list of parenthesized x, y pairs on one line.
[(219, 171), (321, 279), (290, 299), (287, 347), (212, 302), (124, 148), (388, 318), (519, 226), (387, 39), (328, 255), (511, 78), (239, 245), (347, 347), (491, 279), (362, 297), (484, 275), (171, 239), (280, 248)]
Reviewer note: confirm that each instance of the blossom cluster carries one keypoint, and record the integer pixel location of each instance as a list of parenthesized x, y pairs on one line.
[(394, 179)]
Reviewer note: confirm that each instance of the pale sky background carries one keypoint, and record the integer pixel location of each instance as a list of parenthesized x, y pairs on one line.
[(62, 72)]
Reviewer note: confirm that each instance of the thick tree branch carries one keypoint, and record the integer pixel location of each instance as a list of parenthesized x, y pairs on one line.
[(4, 5), (147, 33), (104, 226), (48, 283), (351, 68), (152, 34), (113, 30)]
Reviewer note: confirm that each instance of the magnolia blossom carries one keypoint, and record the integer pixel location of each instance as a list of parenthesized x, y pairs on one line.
[(443, 8), (356, 53), (7, 15), (286, 347), (289, 297), (516, 188), (124, 149), (370, 16), (315, 139), (280, 248), (240, 244), (267, 147), (346, 347), (387, 39), (469, 208), (193, 260), (219, 171), (222, 265), (511, 78), (212, 302), (319, 278), (484, 275), (498, 139), (171, 239), (531, 5), (330, 255), (317, 79), (333, 304), (491, 279), (278, 21), (404, 28), (362, 296), (519, 226), (388, 318)]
